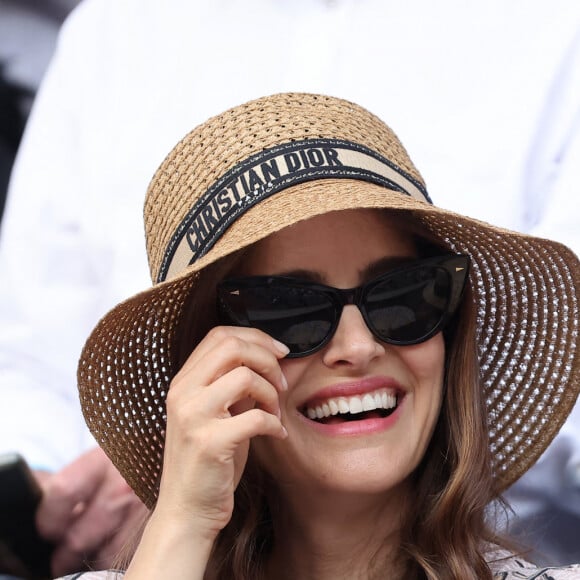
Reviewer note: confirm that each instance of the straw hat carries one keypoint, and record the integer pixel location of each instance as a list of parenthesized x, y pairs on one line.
[(269, 163)]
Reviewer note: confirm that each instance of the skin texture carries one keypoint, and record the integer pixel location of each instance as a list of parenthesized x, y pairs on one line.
[(88, 511), (236, 390)]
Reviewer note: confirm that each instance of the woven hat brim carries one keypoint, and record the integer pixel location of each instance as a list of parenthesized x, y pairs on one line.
[(527, 297)]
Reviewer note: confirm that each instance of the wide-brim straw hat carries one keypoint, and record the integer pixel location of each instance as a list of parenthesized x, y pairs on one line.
[(270, 163)]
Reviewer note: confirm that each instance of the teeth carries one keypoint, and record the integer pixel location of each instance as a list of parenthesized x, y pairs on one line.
[(333, 407), (368, 403), (355, 405), (381, 399)]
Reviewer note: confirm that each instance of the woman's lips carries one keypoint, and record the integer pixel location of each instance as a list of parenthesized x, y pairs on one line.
[(354, 388), (352, 408)]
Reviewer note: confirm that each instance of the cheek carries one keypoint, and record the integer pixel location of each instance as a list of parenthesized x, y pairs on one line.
[(426, 364), (294, 369), (426, 360)]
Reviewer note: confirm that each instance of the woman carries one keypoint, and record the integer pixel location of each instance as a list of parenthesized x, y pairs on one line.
[(331, 377)]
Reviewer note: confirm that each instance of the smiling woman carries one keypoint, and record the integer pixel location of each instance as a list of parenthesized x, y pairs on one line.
[(355, 450), (331, 377)]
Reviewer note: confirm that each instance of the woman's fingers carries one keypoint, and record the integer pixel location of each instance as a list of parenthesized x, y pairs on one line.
[(220, 438), (233, 371), (225, 348), (256, 422), (239, 390), (217, 334)]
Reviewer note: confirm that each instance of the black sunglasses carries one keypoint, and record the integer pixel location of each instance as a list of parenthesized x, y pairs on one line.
[(405, 306)]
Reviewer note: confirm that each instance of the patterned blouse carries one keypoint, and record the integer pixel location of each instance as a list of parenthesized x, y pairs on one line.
[(506, 568)]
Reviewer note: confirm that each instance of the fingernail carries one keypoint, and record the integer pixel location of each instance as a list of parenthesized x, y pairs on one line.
[(284, 431), (281, 346), (284, 383)]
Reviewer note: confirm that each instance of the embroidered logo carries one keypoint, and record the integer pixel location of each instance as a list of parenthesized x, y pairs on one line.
[(267, 173)]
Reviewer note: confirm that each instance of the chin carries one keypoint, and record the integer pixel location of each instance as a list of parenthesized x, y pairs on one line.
[(357, 471)]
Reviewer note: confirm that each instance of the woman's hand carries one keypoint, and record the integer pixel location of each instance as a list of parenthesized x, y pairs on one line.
[(226, 393)]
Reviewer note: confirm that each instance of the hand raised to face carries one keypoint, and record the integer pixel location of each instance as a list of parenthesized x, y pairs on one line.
[(225, 394)]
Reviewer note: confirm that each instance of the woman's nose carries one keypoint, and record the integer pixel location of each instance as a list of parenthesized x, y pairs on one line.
[(353, 343)]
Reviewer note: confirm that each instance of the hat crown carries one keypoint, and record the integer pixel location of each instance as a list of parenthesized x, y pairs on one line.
[(213, 148)]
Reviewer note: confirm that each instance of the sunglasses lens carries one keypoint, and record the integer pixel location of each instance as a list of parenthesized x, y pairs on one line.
[(296, 316), (407, 307)]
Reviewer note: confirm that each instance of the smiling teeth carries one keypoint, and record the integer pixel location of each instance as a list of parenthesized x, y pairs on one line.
[(381, 399)]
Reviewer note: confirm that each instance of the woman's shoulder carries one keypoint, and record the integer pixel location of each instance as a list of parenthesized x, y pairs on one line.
[(506, 566), (93, 575)]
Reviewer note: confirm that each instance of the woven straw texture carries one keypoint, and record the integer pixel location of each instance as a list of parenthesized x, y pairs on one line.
[(527, 289)]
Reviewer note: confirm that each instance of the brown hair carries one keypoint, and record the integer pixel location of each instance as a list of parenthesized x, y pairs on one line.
[(445, 534), (446, 531)]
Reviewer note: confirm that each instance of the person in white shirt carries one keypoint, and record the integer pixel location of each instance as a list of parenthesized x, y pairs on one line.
[(443, 74)]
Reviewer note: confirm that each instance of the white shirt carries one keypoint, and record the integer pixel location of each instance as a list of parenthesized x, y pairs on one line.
[(486, 96)]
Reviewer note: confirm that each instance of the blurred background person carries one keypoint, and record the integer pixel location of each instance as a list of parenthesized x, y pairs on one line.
[(28, 32), (503, 78)]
